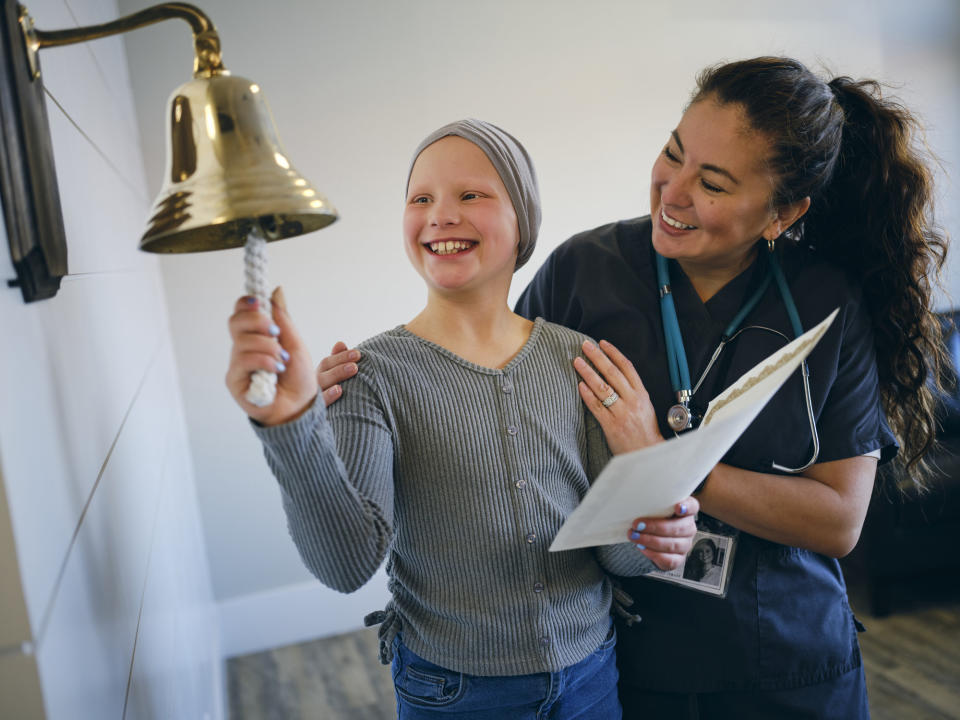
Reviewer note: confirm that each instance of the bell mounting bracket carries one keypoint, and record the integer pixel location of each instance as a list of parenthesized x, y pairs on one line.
[(28, 178)]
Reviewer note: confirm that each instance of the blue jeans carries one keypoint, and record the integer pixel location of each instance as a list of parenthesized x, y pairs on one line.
[(584, 691)]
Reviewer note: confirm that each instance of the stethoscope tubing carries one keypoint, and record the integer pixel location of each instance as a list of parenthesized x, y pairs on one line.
[(676, 356)]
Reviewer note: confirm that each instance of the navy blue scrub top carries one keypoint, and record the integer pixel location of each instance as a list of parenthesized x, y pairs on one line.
[(785, 621)]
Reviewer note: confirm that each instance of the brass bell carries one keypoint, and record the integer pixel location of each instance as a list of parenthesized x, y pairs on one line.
[(228, 181), (227, 172)]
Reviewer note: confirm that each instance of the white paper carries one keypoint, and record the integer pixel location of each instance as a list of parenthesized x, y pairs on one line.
[(649, 482)]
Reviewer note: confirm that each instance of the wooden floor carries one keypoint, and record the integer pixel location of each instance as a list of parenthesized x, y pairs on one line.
[(335, 678), (912, 656), (912, 661)]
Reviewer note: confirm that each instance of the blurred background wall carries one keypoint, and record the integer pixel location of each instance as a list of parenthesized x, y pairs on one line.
[(106, 604)]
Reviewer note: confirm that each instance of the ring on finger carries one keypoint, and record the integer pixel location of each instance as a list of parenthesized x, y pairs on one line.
[(610, 399)]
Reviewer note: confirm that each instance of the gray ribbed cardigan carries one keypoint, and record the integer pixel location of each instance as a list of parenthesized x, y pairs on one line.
[(463, 474)]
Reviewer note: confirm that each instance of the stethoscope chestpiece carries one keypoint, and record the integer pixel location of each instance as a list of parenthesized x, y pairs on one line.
[(679, 418)]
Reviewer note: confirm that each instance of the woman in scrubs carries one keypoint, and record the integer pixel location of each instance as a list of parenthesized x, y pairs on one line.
[(769, 167)]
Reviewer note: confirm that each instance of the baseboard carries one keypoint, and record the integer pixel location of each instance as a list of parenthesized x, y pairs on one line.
[(295, 614)]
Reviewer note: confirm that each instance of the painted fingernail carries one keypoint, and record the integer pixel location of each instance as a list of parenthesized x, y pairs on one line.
[(640, 547), (250, 300), (274, 329), (634, 535), (281, 367), (641, 526), (683, 510), (284, 355), (350, 367)]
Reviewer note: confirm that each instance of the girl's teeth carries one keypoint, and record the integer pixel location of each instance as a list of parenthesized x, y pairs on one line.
[(675, 223), (446, 247)]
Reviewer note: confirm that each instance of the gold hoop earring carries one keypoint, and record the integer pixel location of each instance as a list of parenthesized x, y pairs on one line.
[(771, 244)]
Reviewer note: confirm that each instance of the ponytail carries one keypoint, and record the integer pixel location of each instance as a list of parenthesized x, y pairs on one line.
[(880, 202)]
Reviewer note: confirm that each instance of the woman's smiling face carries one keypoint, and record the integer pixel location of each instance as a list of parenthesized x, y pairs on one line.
[(710, 192), (703, 553)]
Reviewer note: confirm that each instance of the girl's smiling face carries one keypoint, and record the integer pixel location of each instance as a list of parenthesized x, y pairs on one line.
[(710, 192), (459, 225)]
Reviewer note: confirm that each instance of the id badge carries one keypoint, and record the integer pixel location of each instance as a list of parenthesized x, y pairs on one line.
[(709, 562)]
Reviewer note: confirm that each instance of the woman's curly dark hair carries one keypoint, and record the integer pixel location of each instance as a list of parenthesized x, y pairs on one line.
[(856, 155)]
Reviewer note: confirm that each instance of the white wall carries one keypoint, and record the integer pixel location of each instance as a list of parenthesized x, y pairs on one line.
[(94, 455), (921, 44), (592, 89)]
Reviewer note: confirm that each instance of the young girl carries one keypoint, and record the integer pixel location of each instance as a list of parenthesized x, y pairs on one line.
[(459, 450)]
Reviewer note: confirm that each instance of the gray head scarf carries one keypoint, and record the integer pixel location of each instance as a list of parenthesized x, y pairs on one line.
[(512, 164)]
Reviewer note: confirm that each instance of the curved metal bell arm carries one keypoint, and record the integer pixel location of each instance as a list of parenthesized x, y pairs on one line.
[(207, 61)]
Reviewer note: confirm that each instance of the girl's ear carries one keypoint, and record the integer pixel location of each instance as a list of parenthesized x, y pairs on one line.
[(785, 217)]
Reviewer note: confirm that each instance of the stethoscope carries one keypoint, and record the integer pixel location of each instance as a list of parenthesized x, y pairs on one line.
[(679, 417)]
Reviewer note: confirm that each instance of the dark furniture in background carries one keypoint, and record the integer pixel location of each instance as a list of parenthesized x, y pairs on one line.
[(911, 540)]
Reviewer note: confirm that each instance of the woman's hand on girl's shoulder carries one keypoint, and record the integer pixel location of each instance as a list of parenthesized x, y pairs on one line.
[(617, 398), (338, 366), (273, 345)]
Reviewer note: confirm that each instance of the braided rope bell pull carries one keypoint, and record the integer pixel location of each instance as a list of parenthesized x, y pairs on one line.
[(263, 384)]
